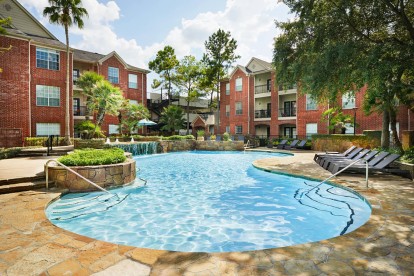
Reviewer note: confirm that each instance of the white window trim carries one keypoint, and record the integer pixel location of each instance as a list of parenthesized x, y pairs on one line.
[(239, 111), (132, 83), (228, 88), (47, 90), (348, 101), (239, 87), (311, 104), (112, 78)]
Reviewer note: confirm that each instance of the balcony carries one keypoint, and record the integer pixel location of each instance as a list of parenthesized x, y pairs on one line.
[(262, 90), (287, 113), (79, 111), (261, 114)]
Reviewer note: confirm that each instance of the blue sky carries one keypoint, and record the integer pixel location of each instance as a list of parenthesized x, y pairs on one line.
[(137, 30)]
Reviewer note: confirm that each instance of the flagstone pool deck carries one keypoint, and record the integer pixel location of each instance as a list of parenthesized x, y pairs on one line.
[(31, 245)]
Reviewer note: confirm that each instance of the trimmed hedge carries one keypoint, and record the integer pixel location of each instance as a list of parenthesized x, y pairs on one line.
[(9, 152), (179, 137), (91, 157), (340, 142), (41, 141)]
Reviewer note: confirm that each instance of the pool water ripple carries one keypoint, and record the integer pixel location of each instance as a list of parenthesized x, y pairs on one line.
[(216, 202)]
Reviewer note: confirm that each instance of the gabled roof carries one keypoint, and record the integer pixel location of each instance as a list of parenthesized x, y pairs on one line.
[(90, 57), (239, 67), (26, 25), (198, 118), (256, 65)]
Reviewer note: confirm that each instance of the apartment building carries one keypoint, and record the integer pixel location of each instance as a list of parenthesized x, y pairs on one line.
[(252, 103), (32, 84)]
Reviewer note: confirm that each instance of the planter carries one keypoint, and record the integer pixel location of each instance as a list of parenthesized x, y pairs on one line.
[(91, 143), (103, 175)]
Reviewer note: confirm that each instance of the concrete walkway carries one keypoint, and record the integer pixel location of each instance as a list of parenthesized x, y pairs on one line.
[(31, 245)]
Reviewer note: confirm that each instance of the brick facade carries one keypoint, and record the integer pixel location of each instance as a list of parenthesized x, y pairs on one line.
[(287, 107), (19, 109)]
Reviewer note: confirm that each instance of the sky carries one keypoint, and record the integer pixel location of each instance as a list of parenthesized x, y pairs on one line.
[(137, 30)]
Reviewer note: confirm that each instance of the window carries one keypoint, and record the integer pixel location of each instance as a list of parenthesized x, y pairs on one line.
[(46, 129), (311, 103), (47, 59), (113, 129), (47, 95), (133, 102), (348, 100), (228, 129), (75, 75), (239, 129), (227, 110), (268, 83), (239, 84), (311, 129), (239, 109), (132, 81), (349, 129), (113, 75), (227, 88)]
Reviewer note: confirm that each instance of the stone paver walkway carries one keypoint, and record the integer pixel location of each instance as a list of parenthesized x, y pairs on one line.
[(31, 245)]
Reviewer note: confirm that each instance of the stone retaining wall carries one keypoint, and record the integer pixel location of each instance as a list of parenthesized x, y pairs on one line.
[(186, 145), (102, 175)]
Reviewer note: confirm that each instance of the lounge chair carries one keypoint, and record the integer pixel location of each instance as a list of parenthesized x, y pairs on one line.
[(291, 145), (368, 157), (301, 145), (354, 155), (321, 160), (282, 144), (379, 166), (345, 153)]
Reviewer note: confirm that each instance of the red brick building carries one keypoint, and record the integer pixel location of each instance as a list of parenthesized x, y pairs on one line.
[(251, 103), (32, 84)]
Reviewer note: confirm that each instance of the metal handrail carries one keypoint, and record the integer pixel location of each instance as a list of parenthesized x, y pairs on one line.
[(353, 163), (77, 174)]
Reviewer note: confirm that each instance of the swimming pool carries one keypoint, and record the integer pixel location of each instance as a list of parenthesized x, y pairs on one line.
[(212, 202)]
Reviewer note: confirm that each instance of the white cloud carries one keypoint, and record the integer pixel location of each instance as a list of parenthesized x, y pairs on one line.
[(251, 23)]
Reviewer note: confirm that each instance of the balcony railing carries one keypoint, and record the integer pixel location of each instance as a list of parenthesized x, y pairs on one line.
[(264, 113), (79, 111), (261, 89), (291, 112)]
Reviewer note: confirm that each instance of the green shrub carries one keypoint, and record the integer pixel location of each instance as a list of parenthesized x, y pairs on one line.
[(145, 138), (408, 156), (9, 153), (91, 157), (200, 133), (179, 137), (41, 141), (213, 137), (86, 129), (226, 136)]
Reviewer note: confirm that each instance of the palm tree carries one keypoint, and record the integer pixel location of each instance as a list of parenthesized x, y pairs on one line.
[(172, 117), (66, 13), (88, 82), (105, 99)]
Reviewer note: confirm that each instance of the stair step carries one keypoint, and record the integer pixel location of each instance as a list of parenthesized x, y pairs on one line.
[(25, 186), (36, 178)]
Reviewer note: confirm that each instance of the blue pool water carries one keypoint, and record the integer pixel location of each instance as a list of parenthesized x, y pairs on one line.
[(212, 202)]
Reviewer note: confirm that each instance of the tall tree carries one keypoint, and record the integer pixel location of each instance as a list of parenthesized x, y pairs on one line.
[(333, 47), (220, 55), (187, 75), (164, 64), (173, 118), (105, 100), (66, 13), (87, 82)]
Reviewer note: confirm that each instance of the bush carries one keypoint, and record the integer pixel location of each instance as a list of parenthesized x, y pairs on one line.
[(41, 141), (146, 138), (408, 156), (179, 137), (226, 136), (9, 153), (86, 128), (91, 157), (213, 137), (200, 133)]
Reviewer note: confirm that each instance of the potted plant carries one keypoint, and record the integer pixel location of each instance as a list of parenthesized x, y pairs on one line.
[(200, 135)]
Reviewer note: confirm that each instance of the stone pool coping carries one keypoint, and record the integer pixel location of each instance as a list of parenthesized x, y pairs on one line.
[(31, 245)]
